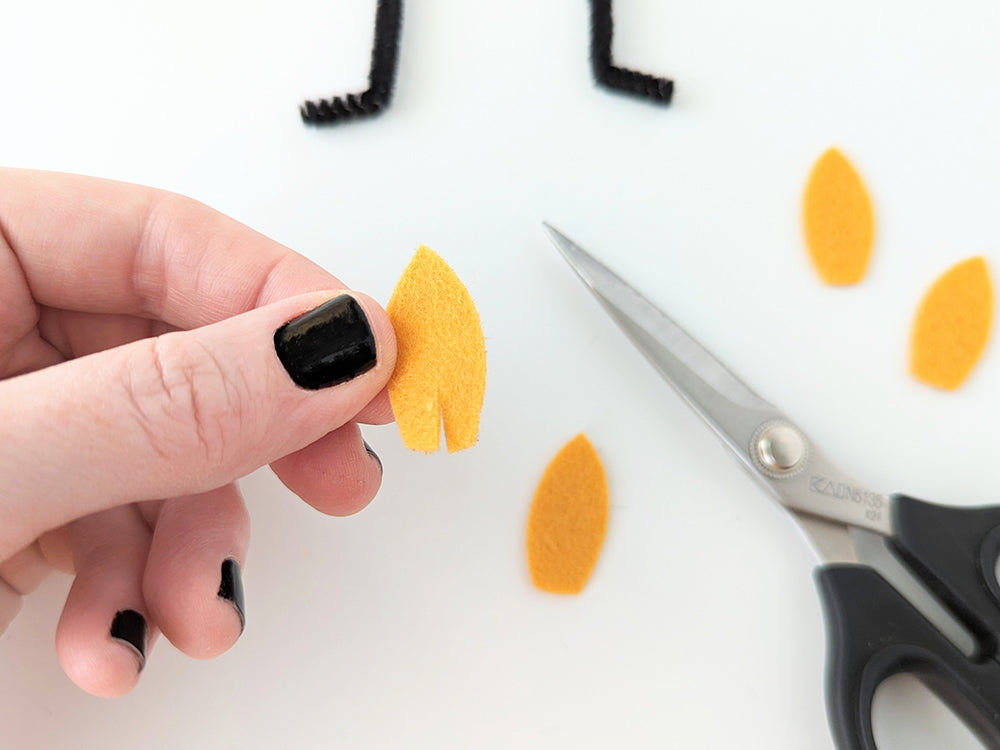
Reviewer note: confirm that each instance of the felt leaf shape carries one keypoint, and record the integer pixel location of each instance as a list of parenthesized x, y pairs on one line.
[(441, 356), (568, 519), (837, 220), (952, 325)]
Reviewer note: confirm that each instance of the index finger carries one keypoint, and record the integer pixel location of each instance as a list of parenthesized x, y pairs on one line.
[(101, 246)]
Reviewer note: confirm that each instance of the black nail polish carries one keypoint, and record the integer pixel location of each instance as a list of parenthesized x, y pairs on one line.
[(373, 454), (327, 346), (231, 588), (129, 627)]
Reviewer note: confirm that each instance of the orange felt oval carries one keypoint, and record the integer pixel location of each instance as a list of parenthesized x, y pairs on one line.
[(441, 356), (952, 325), (568, 519), (837, 220)]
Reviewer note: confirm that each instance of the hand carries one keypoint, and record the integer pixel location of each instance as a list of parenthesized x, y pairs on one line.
[(140, 375)]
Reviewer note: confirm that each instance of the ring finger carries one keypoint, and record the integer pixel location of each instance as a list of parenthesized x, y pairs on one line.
[(193, 583)]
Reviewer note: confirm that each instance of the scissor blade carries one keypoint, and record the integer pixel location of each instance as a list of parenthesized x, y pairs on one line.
[(727, 404), (744, 420)]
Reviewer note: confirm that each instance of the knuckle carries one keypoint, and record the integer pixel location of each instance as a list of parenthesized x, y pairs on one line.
[(184, 401)]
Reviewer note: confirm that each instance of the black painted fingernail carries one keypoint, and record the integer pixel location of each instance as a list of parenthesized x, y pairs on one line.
[(327, 346), (373, 454), (231, 588), (129, 627)]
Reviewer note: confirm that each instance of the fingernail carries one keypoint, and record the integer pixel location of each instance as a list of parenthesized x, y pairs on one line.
[(231, 588), (372, 453), (328, 345), (129, 627)]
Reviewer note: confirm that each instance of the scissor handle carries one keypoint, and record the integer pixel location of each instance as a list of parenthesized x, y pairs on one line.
[(954, 551), (874, 633)]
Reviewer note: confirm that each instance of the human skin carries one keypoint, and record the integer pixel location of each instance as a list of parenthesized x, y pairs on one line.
[(138, 381)]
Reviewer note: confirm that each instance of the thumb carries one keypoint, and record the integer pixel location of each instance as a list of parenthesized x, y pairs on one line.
[(184, 412)]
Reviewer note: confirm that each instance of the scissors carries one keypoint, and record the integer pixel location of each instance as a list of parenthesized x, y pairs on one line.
[(906, 585)]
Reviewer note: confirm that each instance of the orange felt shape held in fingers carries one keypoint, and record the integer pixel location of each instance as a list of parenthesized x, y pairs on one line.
[(568, 519), (837, 220), (952, 325), (441, 361)]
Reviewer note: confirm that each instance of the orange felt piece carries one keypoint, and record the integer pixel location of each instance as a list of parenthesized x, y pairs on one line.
[(952, 324), (441, 356), (837, 220), (568, 519)]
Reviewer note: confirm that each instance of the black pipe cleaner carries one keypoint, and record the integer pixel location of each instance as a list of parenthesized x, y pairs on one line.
[(607, 74), (381, 76)]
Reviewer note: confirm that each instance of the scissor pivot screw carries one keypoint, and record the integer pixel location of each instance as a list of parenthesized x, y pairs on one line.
[(780, 448)]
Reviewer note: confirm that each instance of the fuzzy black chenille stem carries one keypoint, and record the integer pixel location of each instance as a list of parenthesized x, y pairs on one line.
[(381, 76), (606, 73)]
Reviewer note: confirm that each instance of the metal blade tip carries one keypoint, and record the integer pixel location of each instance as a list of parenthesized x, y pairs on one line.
[(557, 237), (566, 247)]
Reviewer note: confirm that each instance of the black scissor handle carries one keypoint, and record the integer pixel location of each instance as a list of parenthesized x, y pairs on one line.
[(954, 551), (874, 633)]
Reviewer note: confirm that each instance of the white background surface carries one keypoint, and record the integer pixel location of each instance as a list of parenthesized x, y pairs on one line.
[(414, 624)]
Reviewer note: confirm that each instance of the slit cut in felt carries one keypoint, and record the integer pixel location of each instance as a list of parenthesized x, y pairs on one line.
[(952, 325), (837, 220), (568, 519), (440, 370)]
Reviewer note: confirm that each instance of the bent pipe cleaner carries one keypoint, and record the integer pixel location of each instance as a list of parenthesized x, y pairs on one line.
[(381, 76), (607, 74)]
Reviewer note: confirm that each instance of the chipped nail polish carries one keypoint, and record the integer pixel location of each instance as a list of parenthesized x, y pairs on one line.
[(129, 627), (373, 454), (328, 345), (231, 588)]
